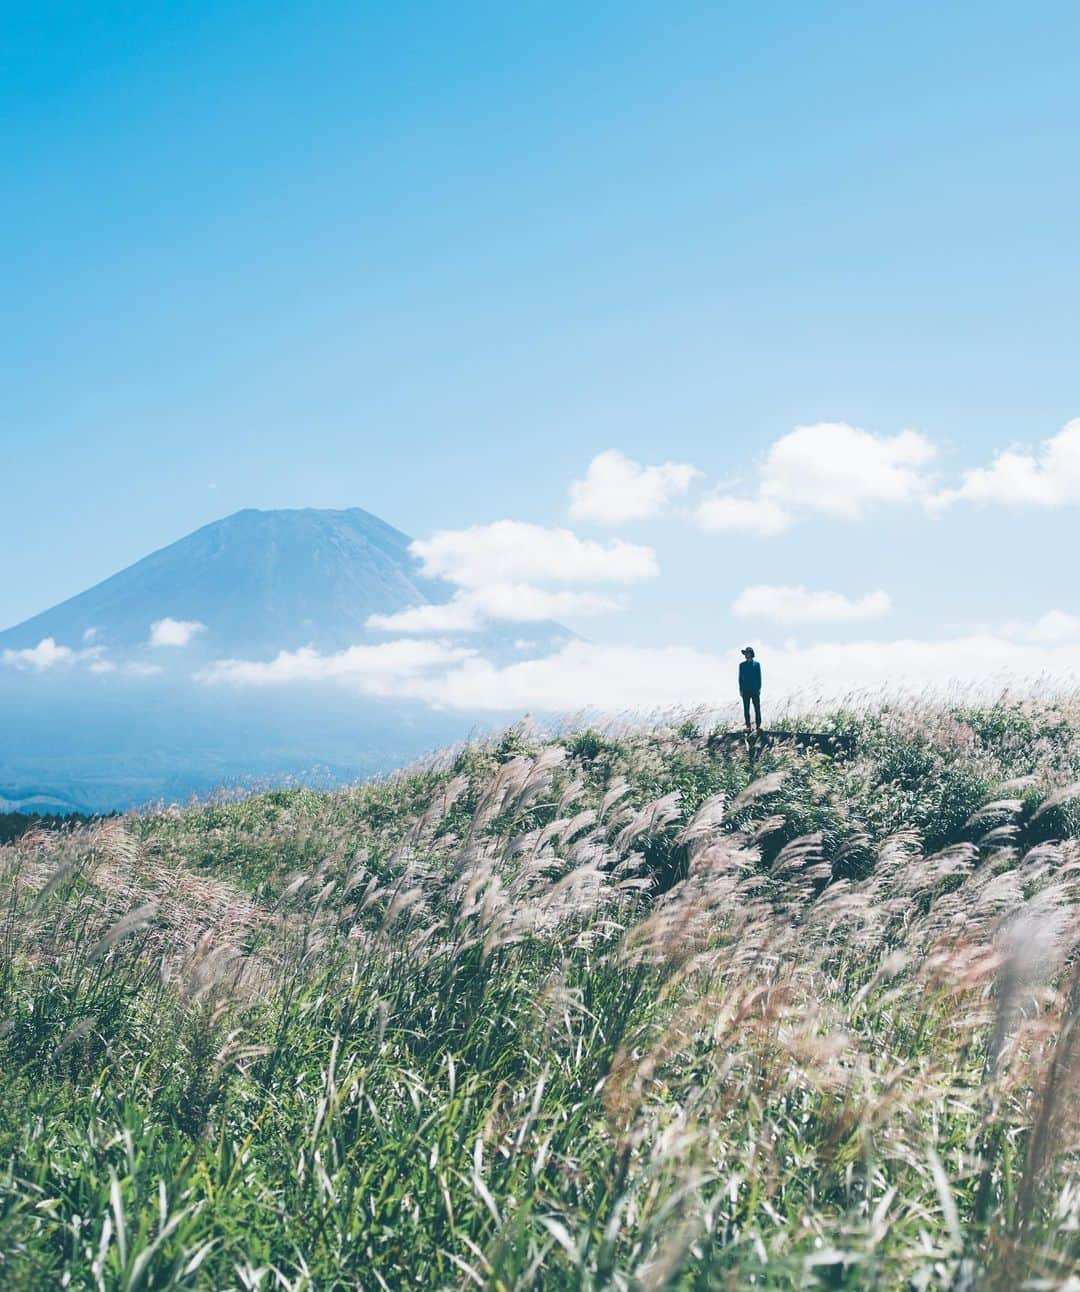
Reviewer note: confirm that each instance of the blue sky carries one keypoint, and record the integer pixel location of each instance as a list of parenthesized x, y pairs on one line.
[(432, 259)]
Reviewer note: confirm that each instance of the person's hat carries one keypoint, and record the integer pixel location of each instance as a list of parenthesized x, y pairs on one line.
[(748, 651)]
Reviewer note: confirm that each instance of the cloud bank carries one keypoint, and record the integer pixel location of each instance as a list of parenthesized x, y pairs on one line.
[(620, 679)]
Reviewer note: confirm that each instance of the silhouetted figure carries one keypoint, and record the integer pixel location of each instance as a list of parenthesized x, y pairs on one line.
[(750, 686)]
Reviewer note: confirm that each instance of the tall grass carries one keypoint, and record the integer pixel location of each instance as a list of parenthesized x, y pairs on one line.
[(594, 1012)]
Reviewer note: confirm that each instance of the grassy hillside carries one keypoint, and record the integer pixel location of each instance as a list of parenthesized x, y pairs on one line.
[(606, 1012)]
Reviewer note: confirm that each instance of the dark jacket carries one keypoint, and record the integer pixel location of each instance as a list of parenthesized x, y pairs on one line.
[(749, 677)]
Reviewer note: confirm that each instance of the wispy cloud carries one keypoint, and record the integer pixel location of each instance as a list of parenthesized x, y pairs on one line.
[(617, 489), (459, 615), (386, 669), (796, 605), (471, 609), (720, 511), (174, 632)]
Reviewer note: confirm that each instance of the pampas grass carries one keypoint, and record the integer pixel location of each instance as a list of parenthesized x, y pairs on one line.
[(581, 1010)]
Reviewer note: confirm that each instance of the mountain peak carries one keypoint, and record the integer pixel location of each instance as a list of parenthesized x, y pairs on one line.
[(260, 581)]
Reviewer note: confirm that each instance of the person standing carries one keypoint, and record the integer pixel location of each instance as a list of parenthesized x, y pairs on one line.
[(750, 686)]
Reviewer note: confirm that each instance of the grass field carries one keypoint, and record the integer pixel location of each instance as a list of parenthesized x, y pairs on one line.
[(600, 1011)]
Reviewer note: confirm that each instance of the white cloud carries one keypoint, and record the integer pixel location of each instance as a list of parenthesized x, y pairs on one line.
[(838, 468), (45, 655), (470, 609), (174, 632), (583, 675), (457, 616), (617, 489), (386, 669), (510, 551), (1048, 477), (794, 605), (828, 467), (751, 515), (1053, 628), (523, 603), (130, 668), (89, 634)]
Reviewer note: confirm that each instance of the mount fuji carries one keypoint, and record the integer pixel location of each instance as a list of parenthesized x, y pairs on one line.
[(98, 693)]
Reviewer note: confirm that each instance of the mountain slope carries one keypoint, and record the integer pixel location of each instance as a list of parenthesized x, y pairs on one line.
[(259, 580)]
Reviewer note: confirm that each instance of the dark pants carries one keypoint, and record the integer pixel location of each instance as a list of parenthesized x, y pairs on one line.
[(755, 696)]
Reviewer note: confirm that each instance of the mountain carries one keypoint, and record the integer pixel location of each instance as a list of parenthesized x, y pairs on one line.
[(117, 722), (259, 580)]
